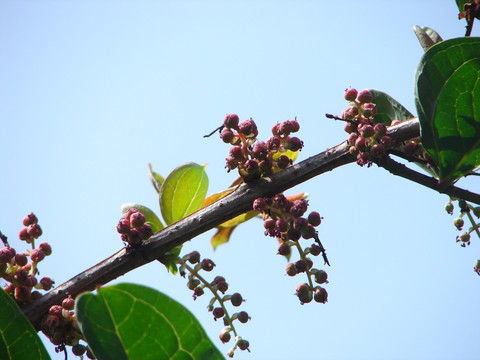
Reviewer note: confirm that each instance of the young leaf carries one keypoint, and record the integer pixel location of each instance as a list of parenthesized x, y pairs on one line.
[(388, 108), (426, 36), (214, 197), (18, 338), (446, 97), (156, 179), (222, 236), (151, 218), (183, 191), (169, 259), (292, 155), (129, 321), (239, 219)]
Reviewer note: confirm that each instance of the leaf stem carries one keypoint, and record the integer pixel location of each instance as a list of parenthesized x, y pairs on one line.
[(474, 224), (304, 257)]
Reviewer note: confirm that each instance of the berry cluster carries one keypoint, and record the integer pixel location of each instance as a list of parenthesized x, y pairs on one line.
[(253, 158), (367, 140), (413, 150), (469, 211), (217, 305), (60, 325), (133, 228), (476, 268), (465, 210), (20, 269), (284, 219)]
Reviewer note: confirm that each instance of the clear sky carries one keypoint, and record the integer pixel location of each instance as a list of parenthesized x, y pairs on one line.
[(93, 91)]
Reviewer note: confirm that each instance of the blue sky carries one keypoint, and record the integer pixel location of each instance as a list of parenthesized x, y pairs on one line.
[(91, 92)]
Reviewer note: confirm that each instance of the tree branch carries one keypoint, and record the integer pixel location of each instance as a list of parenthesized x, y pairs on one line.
[(398, 169), (203, 220)]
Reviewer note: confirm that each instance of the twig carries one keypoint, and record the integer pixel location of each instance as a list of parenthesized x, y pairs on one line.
[(401, 170)]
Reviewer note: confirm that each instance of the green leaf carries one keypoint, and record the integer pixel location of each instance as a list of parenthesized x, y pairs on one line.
[(129, 321), (18, 338), (183, 192), (447, 85), (156, 179), (461, 4), (151, 218), (388, 108), (427, 36)]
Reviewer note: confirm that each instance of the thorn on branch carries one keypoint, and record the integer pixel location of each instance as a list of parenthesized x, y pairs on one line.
[(219, 129), (4, 239), (322, 249), (330, 116)]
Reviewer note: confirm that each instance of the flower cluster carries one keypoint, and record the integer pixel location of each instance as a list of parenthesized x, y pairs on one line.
[(469, 211), (60, 325), (193, 264), (284, 219), (254, 159), (413, 150), (20, 269), (465, 210), (133, 228), (367, 140)]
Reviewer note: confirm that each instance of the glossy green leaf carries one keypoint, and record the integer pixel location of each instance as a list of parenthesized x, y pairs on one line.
[(156, 179), (183, 192), (18, 338), (129, 321), (388, 108), (427, 36), (151, 218), (446, 96)]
